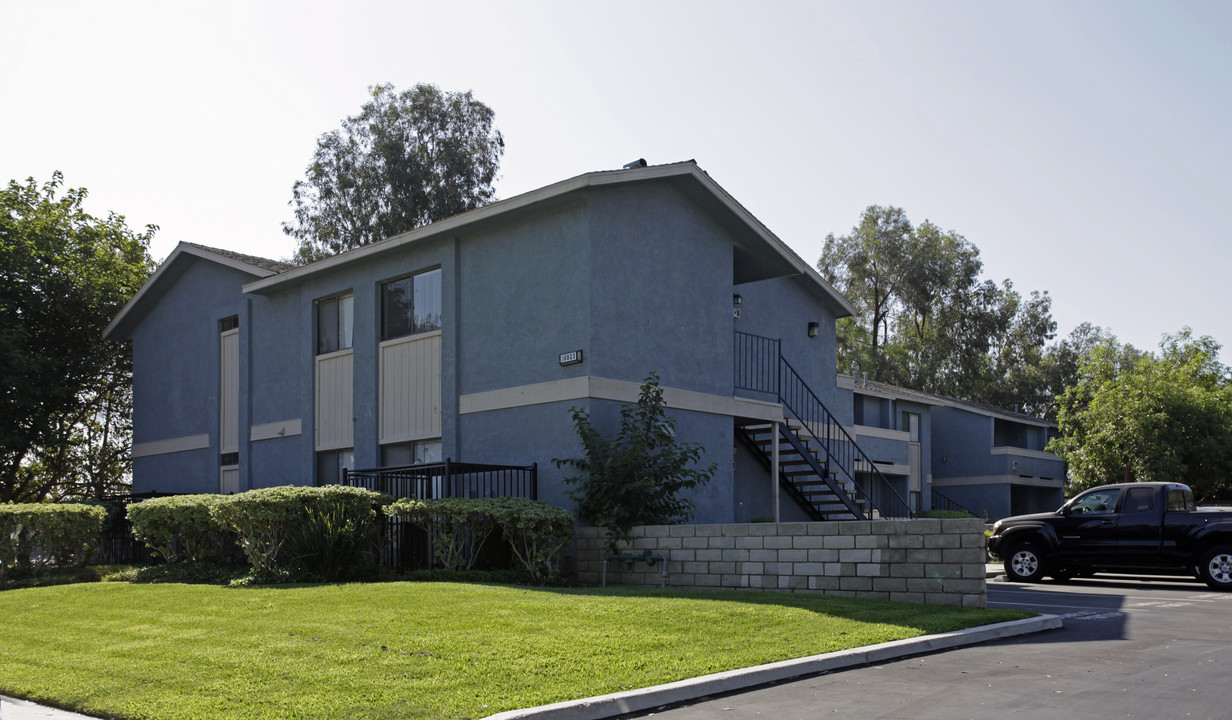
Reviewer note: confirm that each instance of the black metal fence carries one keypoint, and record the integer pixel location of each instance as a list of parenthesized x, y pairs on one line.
[(117, 545), (449, 480), (943, 502), (407, 546)]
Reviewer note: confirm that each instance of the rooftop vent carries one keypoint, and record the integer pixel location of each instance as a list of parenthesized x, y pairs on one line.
[(640, 162)]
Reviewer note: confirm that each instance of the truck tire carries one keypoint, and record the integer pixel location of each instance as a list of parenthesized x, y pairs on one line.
[(1025, 563), (1215, 569)]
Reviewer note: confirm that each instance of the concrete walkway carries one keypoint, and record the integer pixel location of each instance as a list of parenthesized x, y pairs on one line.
[(14, 709)]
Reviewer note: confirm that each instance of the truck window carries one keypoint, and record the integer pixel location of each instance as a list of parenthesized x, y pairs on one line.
[(1099, 502), (1179, 499), (1139, 500)]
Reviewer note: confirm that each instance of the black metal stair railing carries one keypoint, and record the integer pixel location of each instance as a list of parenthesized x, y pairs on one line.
[(761, 367)]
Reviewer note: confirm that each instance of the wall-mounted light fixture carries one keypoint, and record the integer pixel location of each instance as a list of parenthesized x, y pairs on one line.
[(736, 299), (814, 328)]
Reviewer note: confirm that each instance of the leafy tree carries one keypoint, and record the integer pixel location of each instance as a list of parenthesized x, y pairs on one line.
[(924, 318), (1145, 417), (636, 477), (63, 389), (407, 159)]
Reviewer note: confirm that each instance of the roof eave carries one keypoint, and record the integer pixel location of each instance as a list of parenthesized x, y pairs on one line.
[(163, 269)]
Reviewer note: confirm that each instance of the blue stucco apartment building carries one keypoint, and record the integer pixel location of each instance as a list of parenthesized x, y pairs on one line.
[(473, 337)]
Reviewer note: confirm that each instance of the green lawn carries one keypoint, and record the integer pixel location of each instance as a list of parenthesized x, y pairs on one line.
[(406, 650)]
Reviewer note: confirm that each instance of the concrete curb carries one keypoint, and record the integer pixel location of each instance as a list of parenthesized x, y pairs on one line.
[(14, 709), (615, 704)]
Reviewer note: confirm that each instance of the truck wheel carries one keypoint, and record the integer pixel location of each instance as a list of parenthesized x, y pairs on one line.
[(1025, 563), (1216, 568)]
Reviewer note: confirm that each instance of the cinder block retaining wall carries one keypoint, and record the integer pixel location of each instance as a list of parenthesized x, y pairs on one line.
[(933, 561)]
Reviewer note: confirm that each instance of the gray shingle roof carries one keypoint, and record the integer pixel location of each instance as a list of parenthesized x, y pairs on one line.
[(274, 266)]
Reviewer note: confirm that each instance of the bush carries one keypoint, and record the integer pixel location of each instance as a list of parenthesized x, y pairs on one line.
[(458, 526), (636, 477), (36, 535), (332, 544), (944, 514), (536, 531), (264, 519), (182, 527)]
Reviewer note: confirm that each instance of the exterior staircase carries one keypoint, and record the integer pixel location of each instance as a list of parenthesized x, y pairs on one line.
[(820, 464)]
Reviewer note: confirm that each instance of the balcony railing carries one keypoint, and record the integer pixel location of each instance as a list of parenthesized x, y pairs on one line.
[(449, 480)]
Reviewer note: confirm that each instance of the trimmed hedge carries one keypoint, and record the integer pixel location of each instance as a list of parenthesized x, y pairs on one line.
[(264, 519), (182, 527), (37, 535), (535, 530)]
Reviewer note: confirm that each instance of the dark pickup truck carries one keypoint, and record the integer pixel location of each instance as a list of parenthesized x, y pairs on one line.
[(1132, 528)]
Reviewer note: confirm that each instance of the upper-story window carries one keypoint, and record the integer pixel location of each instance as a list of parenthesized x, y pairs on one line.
[(411, 305), (335, 318)]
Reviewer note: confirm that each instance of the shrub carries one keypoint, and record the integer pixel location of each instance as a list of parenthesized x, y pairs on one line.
[(944, 514), (182, 527), (458, 526), (36, 535), (263, 519), (333, 544), (536, 531), (636, 477)]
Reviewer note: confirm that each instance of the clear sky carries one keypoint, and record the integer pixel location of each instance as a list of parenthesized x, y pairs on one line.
[(1082, 146)]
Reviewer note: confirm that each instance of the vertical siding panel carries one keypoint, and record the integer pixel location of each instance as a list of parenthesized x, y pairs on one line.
[(229, 393), (335, 401), (410, 392)]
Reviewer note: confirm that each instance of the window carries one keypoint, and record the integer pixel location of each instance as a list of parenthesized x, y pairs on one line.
[(331, 463), (411, 305), (1139, 500), (334, 321), (911, 425), (1100, 502), (411, 453)]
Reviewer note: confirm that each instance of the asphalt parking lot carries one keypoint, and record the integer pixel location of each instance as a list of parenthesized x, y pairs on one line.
[(1130, 648)]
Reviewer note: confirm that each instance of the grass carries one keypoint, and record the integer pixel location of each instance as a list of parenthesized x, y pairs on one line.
[(406, 650)]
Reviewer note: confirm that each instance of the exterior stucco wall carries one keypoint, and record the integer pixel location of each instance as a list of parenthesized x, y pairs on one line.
[(176, 355)]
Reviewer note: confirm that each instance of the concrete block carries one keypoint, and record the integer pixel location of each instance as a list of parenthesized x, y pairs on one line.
[(682, 555), (911, 597), (694, 568), (750, 568), (682, 531), (708, 555), (924, 556), (807, 568), (822, 582), (722, 542), (975, 601), (808, 541), (792, 528), (907, 570), (906, 541), (974, 556), (777, 568), (823, 555), (942, 541), (777, 541), (890, 584), (735, 555), (858, 527), (722, 568), (855, 583), (872, 541), (695, 542), (869, 570), (925, 585), (792, 582), (764, 555), (925, 526), (761, 530), (943, 570), (684, 580), (793, 555), (655, 531), (840, 541), (949, 599), (749, 542), (823, 528), (706, 580), (855, 556), (646, 543), (734, 581)]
